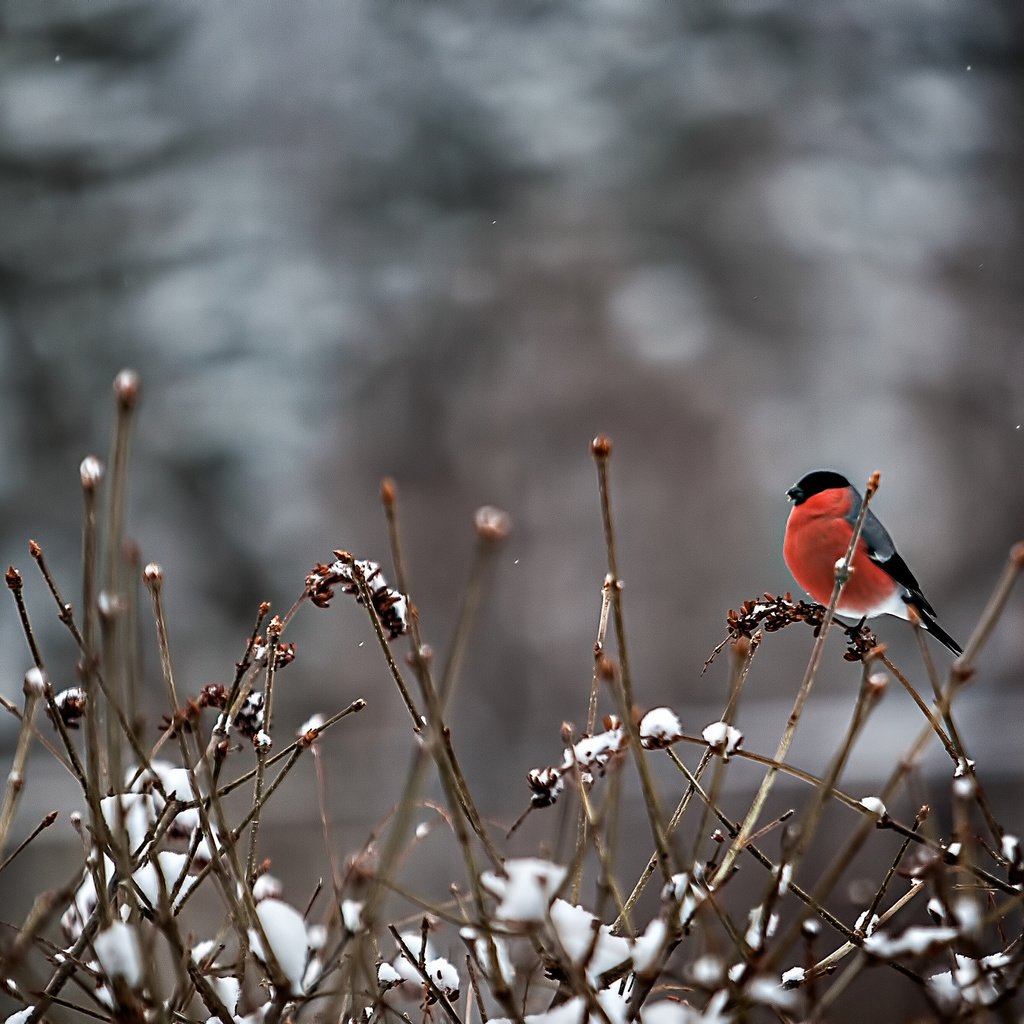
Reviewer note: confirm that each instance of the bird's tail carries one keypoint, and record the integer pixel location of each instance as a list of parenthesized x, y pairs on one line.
[(938, 632)]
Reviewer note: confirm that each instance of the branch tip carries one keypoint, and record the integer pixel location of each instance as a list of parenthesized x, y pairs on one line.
[(91, 473), (492, 524), (1017, 554), (127, 386)]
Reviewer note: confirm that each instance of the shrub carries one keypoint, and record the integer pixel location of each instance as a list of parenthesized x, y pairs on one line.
[(122, 940)]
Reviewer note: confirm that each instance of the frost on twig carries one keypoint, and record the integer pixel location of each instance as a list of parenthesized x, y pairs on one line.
[(590, 756), (660, 728), (723, 739)]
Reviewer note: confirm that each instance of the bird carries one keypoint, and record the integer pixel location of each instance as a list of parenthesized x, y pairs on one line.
[(818, 532)]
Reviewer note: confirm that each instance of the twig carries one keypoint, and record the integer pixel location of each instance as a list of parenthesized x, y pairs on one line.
[(929, 714), (367, 599), (357, 705), (601, 449), (65, 613), (843, 569), (600, 669), (237, 892), (47, 821), (389, 499), (870, 693), (443, 1001), (16, 775), (262, 744), (896, 861), (15, 585), (964, 665), (743, 651), (492, 528)]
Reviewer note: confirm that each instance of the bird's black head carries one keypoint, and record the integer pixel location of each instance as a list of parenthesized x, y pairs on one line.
[(814, 483)]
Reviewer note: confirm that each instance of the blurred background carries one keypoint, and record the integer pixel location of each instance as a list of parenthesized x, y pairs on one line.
[(450, 242)]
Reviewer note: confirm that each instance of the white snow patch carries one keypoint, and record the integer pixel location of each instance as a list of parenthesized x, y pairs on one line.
[(660, 727), (316, 722), (575, 928), (596, 750), (267, 887), (863, 924), (769, 992), (971, 982), (139, 813), (915, 941), (117, 949), (286, 933), (794, 976), (387, 975), (1011, 848), (526, 888), (352, 915), (229, 990), (759, 928), (648, 946), (171, 866), (482, 951), (723, 738), (444, 976), (35, 684)]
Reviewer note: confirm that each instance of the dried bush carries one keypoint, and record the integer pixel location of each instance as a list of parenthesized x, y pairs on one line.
[(118, 941)]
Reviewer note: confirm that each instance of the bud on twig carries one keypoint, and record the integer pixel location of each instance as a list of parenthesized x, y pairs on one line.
[(877, 684), (35, 682), (1017, 554), (492, 524), (91, 472), (126, 388)]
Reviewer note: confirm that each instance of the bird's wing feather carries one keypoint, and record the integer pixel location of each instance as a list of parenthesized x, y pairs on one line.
[(882, 551)]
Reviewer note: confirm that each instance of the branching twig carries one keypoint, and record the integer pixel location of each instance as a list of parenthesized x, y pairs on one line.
[(843, 568)]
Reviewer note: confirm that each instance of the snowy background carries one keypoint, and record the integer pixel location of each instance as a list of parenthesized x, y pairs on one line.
[(450, 242)]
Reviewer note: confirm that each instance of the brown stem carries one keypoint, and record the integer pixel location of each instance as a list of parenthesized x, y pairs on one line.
[(842, 575), (601, 448)]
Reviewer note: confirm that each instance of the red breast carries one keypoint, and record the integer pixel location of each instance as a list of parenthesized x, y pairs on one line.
[(817, 536)]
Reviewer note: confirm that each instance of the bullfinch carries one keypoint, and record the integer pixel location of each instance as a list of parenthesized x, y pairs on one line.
[(825, 508)]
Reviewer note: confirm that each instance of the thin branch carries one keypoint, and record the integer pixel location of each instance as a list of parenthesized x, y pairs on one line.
[(601, 449), (843, 570)]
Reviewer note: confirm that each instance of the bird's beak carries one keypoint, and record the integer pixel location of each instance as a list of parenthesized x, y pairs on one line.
[(794, 494)]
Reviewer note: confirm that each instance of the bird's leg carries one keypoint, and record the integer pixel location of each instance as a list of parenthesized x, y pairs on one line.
[(854, 631)]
